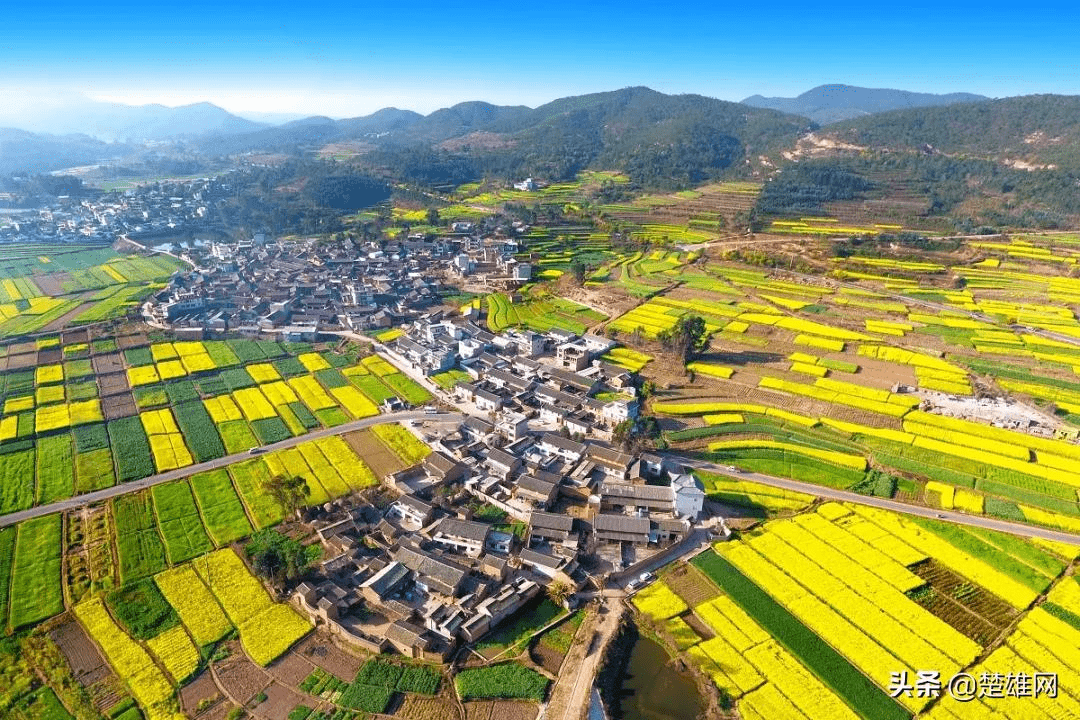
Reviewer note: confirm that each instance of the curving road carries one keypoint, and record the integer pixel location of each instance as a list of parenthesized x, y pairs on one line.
[(979, 521), (135, 485)]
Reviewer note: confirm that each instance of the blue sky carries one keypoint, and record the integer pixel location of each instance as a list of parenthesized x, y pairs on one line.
[(351, 58)]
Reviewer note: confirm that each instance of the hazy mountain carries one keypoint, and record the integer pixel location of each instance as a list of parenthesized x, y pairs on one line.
[(832, 103), (135, 123), (270, 118), (22, 151), (468, 117), (380, 121)]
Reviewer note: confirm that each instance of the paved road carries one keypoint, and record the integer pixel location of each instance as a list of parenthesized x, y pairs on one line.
[(124, 488), (698, 539), (846, 496)]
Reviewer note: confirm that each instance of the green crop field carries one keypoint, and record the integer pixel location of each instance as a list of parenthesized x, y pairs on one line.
[(236, 436), (199, 431), (179, 522), (7, 563), (16, 479), (94, 471), (139, 549), (507, 680), (131, 449), (249, 477), (407, 389), (221, 509), (55, 468), (540, 314), (36, 590)]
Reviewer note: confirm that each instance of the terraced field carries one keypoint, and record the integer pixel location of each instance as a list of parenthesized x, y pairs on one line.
[(41, 284), (812, 368)]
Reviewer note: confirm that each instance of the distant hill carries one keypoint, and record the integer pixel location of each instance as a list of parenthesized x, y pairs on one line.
[(827, 104), (656, 138), (468, 117), (22, 151), (111, 122), (661, 139), (380, 121)]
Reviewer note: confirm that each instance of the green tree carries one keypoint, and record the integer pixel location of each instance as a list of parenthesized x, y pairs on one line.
[(686, 338), (578, 271), (278, 557), (559, 591), (634, 436), (648, 389), (288, 492), (433, 216)]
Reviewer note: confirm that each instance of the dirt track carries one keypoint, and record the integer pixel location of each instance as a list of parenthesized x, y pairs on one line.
[(571, 694)]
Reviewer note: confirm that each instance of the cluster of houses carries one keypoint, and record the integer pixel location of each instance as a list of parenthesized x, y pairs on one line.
[(466, 544), (523, 493), (300, 289), (140, 213), (555, 378)]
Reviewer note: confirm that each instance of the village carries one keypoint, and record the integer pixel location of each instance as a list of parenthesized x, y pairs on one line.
[(526, 496), (530, 495)]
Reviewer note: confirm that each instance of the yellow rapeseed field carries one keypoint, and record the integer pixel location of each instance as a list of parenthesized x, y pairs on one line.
[(193, 602)]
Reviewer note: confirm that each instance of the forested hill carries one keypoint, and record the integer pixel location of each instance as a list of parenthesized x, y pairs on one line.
[(1033, 129), (1012, 163), (655, 138), (662, 140)]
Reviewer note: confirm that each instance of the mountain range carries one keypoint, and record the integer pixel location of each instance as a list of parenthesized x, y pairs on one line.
[(660, 140), (116, 122)]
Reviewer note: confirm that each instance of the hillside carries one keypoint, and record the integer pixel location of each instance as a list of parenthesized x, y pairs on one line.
[(1002, 163), (827, 104), (1033, 129), (662, 139)]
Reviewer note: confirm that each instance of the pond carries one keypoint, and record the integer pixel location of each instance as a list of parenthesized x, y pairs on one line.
[(655, 689)]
